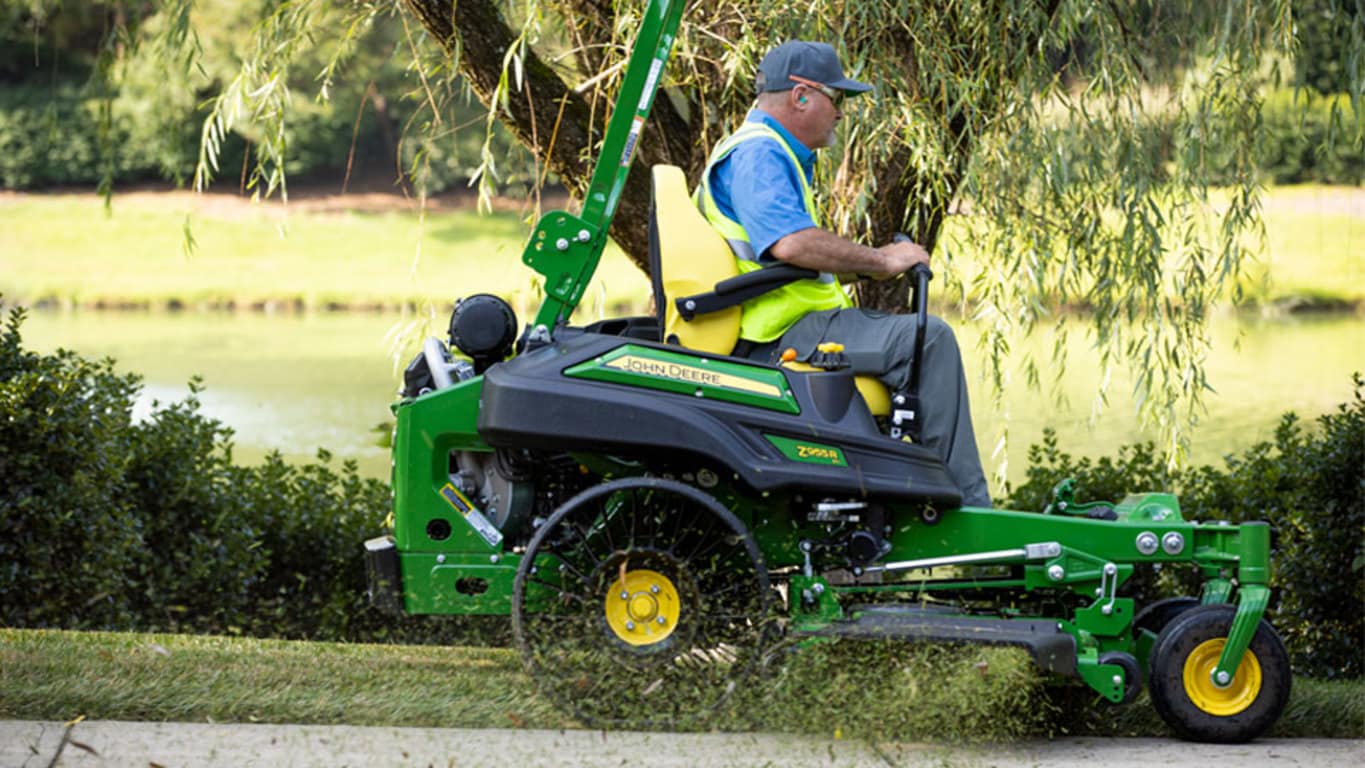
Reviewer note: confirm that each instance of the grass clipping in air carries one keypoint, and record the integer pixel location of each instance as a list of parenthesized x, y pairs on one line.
[(893, 691)]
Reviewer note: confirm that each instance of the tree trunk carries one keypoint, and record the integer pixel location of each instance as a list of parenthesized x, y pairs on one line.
[(484, 40)]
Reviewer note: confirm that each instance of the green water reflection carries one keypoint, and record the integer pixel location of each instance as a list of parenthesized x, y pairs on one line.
[(297, 383)]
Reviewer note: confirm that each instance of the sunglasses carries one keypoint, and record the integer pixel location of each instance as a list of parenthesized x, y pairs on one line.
[(835, 96)]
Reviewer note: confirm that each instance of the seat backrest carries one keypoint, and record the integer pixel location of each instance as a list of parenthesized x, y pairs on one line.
[(689, 257)]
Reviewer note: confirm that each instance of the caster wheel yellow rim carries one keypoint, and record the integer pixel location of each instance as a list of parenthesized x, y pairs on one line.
[(1199, 685)]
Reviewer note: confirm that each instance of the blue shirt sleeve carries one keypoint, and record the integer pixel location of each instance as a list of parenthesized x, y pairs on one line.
[(758, 184)]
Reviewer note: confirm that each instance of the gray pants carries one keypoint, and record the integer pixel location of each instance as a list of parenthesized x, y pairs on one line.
[(882, 345)]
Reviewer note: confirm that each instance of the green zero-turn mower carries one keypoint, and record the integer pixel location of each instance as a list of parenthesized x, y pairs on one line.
[(655, 513)]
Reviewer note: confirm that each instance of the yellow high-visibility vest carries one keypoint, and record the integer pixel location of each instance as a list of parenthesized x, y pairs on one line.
[(767, 317)]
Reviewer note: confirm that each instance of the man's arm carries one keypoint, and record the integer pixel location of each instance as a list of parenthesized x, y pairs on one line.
[(822, 250)]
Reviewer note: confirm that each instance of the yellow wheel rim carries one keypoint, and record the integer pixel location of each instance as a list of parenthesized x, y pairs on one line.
[(642, 607), (1237, 696)]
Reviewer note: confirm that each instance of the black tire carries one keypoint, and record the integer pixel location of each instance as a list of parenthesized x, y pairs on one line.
[(1156, 616), (1131, 672), (1186, 652), (673, 555)]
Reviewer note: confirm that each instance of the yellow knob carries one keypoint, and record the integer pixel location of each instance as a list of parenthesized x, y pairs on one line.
[(830, 346)]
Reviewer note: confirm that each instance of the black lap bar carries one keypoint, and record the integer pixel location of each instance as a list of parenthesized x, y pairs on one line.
[(736, 290)]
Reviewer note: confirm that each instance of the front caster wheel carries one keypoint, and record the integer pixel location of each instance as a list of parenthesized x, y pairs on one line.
[(641, 602), (1185, 695)]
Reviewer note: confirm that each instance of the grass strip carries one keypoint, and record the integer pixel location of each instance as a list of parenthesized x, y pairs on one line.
[(57, 675), (886, 691)]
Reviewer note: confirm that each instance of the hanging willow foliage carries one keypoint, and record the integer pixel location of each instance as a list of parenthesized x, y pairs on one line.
[(1078, 139)]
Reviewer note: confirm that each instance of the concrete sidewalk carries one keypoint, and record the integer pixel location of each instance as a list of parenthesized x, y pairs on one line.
[(171, 745)]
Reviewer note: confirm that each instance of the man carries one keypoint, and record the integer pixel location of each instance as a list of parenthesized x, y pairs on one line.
[(756, 193)]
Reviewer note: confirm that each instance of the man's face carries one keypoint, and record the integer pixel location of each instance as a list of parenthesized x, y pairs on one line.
[(820, 114)]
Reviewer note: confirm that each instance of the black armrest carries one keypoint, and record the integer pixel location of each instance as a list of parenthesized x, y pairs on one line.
[(736, 290)]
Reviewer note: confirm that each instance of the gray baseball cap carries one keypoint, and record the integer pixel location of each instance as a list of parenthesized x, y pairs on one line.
[(810, 61)]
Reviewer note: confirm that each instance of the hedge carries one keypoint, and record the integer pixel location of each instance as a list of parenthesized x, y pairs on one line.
[(107, 522)]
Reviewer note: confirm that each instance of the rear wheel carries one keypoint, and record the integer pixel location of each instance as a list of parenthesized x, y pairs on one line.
[(1185, 694), (639, 602)]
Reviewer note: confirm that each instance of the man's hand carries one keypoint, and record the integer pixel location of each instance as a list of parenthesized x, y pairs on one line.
[(900, 257)]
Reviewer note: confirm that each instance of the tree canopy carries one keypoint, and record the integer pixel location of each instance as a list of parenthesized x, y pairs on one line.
[(1104, 151)]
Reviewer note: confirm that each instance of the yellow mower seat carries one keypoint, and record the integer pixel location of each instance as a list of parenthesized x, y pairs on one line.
[(692, 259)]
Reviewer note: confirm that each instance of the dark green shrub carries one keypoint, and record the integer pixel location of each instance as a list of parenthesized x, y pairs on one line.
[(111, 523), (1310, 487), (66, 521), (1323, 30), (1308, 139)]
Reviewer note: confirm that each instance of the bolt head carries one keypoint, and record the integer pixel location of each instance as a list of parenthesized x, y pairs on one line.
[(1056, 572), (662, 621), (1173, 543), (1147, 543), (630, 625), (625, 595), (1223, 678), (1118, 679), (562, 244), (654, 588)]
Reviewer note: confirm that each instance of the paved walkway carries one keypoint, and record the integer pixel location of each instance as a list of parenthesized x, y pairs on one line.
[(107, 743)]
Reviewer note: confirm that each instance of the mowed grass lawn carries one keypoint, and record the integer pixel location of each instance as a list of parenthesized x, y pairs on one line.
[(66, 249), (864, 690)]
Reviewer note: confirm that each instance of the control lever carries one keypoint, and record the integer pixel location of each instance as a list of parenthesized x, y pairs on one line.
[(906, 414)]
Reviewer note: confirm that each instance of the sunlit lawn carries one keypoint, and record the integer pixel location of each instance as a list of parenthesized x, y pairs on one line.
[(1315, 242), (1314, 249), (66, 249)]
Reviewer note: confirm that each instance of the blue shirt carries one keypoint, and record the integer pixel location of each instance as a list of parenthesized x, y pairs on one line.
[(757, 186)]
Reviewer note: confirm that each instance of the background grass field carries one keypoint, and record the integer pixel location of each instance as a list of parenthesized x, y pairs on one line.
[(67, 250)]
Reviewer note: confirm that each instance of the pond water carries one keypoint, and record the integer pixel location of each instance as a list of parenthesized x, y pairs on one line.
[(296, 383)]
